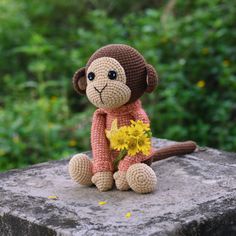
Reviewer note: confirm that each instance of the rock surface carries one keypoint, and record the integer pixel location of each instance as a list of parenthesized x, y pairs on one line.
[(196, 195)]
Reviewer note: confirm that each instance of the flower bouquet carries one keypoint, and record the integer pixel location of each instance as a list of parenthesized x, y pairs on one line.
[(130, 140)]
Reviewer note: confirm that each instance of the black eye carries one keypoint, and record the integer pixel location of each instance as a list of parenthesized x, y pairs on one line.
[(112, 74), (91, 76)]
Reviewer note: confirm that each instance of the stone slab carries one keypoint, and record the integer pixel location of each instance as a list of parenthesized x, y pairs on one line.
[(196, 195)]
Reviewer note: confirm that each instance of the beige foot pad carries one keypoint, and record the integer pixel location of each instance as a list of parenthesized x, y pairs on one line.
[(80, 169), (141, 178), (120, 180), (103, 181)]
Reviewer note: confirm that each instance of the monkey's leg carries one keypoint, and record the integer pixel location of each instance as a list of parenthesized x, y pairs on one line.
[(80, 169), (141, 178), (120, 175), (132, 174), (120, 180)]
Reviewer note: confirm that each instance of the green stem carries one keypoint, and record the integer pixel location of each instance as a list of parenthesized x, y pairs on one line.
[(121, 155)]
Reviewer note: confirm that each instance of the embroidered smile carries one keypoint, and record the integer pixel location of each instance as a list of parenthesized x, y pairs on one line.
[(100, 92)]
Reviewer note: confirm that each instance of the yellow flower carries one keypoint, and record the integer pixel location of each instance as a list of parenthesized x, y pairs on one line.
[(119, 140), (53, 197), (72, 143), (53, 98), (113, 129), (205, 51), (50, 125), (140, 124), (2, 152), (135, 131), (124, 130), (164, 39), (226, 63), (132, 146), (144, 145), (16, 138), (201, 84), (101, 203), (130, 139), (128, 215)]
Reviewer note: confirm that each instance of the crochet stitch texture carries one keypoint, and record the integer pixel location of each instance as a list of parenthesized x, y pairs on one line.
[(133, 63), (103, 156), (114, 79)]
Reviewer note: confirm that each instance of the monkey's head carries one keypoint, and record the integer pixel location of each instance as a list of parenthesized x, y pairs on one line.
[(115, 75)]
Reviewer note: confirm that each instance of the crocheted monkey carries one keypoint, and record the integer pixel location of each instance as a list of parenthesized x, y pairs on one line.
[(114, 79)]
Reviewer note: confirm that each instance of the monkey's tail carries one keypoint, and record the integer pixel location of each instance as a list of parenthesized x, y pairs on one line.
[(174, 150)]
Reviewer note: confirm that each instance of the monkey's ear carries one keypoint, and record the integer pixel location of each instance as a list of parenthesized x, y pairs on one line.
[(152, 78), (79, 81)]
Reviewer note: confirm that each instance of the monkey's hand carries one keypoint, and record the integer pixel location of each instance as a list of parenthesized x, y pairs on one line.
[(103, 181), (120, 180)]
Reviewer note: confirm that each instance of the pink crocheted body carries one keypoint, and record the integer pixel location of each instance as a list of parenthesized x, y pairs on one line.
[(103, 156)]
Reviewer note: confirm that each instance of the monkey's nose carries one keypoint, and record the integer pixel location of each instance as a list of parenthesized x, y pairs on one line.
[(99, 90)]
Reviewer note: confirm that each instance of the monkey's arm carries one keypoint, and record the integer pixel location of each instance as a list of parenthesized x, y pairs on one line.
[(100, 148)]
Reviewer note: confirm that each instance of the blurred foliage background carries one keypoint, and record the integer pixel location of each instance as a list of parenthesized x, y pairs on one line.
[(42, 43)]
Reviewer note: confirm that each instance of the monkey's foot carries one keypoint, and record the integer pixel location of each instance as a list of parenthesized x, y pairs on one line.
[(120, 180), (80, 169), (103, 181), (141, 178)]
